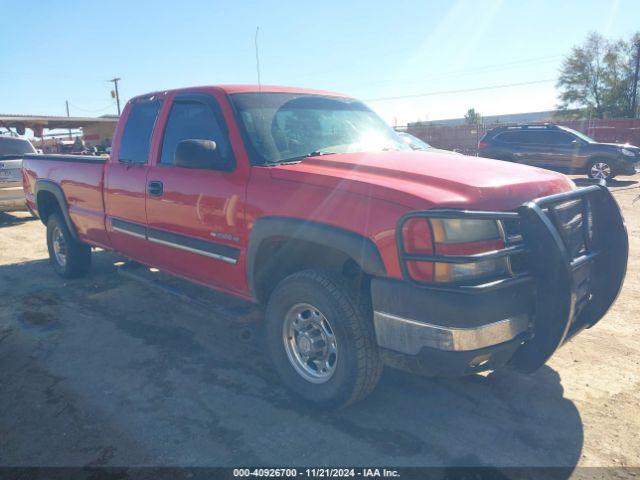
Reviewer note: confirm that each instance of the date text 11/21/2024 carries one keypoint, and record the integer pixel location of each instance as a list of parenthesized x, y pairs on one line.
[(316, 472)]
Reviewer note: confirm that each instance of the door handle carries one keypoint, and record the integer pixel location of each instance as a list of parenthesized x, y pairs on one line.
[(155, 188)]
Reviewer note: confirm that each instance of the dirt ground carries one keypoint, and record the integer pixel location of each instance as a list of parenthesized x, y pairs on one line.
[(109, 370)]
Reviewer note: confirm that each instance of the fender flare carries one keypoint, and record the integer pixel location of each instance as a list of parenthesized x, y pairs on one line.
[(56, 190), (360, 248)]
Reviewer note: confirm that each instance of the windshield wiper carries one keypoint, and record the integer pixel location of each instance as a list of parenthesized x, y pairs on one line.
[(298, 159)]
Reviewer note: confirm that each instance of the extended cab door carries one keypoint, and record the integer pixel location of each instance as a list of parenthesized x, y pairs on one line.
[(195, 216), (126, 179)]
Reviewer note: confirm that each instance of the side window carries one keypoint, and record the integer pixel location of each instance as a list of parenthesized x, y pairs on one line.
[(545, 137), (193, 120), (510, 137), (559, 138), (136, 137), (530, 136)]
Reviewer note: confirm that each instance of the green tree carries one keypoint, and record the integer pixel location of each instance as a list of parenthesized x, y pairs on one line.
[(472, 117), (597, 78)]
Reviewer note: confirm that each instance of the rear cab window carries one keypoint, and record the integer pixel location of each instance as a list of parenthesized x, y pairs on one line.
[(136, 137)]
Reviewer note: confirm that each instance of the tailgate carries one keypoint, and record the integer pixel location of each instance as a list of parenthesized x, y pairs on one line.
[(10, 172)]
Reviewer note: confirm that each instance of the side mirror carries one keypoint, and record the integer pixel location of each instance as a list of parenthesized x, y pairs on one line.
[(202, 154)]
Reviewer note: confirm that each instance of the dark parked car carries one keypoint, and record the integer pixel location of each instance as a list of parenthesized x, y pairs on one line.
[(560, 148)]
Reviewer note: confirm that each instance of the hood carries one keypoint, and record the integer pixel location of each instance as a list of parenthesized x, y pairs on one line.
[(423, 180)]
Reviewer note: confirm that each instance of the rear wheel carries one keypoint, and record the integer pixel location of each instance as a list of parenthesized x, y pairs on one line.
[(601, 170), (321, 339), (70, 258)]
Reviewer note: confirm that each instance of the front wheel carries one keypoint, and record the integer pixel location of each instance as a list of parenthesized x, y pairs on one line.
[(601, 170), (70, 258), (321, 339)]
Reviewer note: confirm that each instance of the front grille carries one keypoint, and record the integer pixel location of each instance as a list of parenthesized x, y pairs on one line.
[(513, 237), (569, 219), (573, 220)]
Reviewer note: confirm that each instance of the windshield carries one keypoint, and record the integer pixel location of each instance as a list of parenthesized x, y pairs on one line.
[(580, 135), (286, 126), (15, 146)]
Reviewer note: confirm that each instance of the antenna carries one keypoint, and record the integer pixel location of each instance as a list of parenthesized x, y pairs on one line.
[(258, 59)]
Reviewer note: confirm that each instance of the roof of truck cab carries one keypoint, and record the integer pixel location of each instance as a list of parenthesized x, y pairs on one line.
[(275, 89), (231, 89)]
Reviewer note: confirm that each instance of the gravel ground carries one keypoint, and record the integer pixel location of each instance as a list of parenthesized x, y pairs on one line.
[(108, 370)]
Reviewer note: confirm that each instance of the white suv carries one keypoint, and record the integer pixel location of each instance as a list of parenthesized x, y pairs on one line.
[(11, 151)]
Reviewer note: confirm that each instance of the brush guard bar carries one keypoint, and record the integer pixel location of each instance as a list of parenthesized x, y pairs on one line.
[(576, 265)]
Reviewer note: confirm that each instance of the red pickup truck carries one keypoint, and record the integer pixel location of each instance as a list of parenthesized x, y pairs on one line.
[(365, 253)]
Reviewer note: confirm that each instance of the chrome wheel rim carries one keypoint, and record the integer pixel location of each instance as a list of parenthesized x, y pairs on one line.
[(59, 246), (600, 170), (310, 343)]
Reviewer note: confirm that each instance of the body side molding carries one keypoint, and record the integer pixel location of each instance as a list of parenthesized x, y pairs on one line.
[(198, 246), (65, 158)]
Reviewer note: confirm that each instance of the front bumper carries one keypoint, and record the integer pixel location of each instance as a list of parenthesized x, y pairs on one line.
[(12, 199), (447, 332), (520, 320), (626, 167)]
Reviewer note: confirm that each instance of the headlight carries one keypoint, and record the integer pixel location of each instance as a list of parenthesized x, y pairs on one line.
[(453, 272), (467, 237), (458, 230), (628, 153)]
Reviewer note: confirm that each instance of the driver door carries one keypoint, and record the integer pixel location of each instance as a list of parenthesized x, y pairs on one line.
[(195, 216)]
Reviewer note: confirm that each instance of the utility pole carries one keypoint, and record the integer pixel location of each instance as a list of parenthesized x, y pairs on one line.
[(67, 103), (634, 90), (115, 82)]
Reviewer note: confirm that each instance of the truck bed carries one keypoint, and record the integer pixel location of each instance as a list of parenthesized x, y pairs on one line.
[(80, 178)]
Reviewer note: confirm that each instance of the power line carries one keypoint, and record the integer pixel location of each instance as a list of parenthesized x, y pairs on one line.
[(446, 92), (378, 55), (485, 69), (92, 111)]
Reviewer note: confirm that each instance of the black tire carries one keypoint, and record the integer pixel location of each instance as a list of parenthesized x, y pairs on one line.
[(77, 255), (596, 161), (358, 365)]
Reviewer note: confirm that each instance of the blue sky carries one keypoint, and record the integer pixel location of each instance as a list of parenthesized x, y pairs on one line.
[(66, 50)]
